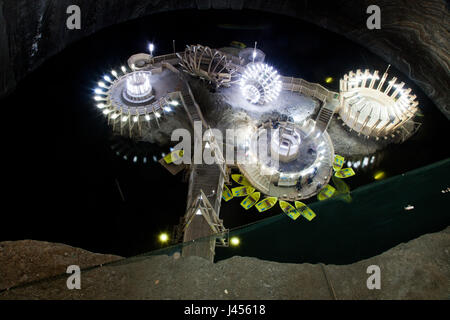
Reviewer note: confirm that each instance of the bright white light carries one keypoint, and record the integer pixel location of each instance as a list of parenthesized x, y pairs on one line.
[(138, 84), (365, 162), (107, 78), (235, 241), (106, 111), (157, 115), (115, 116), (101, 105), (260, 83), (135, 159), (151, 47), (133, 67), (163, 237), (100, 91), (167, 109), (102, 84), (124, 118), (97, 98), (114, 73), (174, 103), (147, 117), (124, 70), (198, 212), (135, 119)]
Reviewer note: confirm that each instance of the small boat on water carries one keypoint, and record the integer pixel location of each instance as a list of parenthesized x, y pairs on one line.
[(341, 186), (242, 191), (250, 200), (305, 210), (226, 193), (326, 192), (345, 173), (174, 156), (266, 204), (240, 179), (338, 162), (289, 210)]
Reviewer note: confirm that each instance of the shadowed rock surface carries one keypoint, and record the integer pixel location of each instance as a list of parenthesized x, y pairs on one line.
[(413, 35), (418, 269)]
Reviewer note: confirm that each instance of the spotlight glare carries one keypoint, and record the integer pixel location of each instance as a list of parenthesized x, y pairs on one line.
[(235, 241), (163, 237)]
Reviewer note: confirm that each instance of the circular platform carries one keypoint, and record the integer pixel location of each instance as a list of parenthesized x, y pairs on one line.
[(299, 178)]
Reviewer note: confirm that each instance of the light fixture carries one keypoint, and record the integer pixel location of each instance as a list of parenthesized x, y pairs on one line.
[(163, 237), (260, 83), (151, 47), (235, 241)]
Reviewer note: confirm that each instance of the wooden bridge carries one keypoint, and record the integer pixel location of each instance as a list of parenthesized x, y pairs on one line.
[(201, 219)]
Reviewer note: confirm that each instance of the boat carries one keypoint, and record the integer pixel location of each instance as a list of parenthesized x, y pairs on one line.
[(305, 210), (242, 191), (238, 44), (226, 193), (266, 204), (174, 156), (345, 173), (240, 179), (250, 200), (326, 192), (289, 210), (338, 162), (341, 186)]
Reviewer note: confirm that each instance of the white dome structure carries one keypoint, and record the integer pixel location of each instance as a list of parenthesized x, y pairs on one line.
[(372, 106), (260, 83)]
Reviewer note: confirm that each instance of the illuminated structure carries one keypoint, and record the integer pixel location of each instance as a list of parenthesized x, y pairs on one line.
[(138, 88), (208, 64), (130, 103), (298, 163), (260, 83), (372, 106), (285, 143)]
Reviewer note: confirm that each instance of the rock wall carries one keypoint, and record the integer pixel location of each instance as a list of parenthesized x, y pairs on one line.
[(418, 269), (413, 36)]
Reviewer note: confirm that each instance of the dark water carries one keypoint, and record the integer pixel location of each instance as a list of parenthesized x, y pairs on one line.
[(61, 175)]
